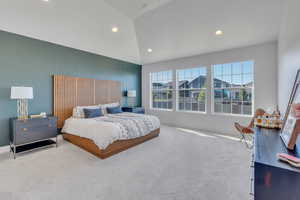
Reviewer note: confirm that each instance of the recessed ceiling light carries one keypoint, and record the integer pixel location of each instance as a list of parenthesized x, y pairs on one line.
[(150, 50), (219, 32), (115, 29), (46, 0)]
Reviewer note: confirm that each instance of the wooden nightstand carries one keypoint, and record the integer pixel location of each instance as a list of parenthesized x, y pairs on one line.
[(26, 135), (138, 110)]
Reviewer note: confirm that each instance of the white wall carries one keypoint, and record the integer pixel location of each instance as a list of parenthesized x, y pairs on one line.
[(289, 51), (265, 95), (186, 28)]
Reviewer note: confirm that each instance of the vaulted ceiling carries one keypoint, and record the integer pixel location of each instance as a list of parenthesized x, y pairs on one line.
[(136, 8), (80, 24), (171, 28), (186, 28)]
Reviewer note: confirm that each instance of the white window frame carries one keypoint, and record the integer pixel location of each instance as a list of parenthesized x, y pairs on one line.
[(177, 90), (213, 91), (151, 91)]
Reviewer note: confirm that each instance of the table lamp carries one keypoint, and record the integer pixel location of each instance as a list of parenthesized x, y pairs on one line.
[(132, 94), (22, 94)]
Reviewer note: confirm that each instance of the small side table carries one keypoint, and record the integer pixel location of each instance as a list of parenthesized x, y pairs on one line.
[(138, 110), (29, 134)]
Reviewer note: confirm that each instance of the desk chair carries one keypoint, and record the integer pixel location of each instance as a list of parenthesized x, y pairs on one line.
[(246, 132)]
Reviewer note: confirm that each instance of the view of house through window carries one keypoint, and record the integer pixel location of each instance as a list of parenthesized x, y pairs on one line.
[(233, 88), (191, 89), (162, 90)]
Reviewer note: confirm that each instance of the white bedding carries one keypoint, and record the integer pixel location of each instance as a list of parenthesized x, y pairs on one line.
[(109, 128)]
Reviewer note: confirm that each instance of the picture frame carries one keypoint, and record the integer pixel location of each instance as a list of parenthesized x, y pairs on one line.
[(291, 122)]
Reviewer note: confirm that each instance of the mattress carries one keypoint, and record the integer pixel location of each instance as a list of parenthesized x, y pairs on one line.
[(112, 127)]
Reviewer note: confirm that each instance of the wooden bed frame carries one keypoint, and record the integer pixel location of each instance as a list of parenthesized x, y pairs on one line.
[(112, 149), (70, 92)]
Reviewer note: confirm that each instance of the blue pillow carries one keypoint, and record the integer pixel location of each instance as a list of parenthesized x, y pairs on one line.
[(114, 110), (92, 113)]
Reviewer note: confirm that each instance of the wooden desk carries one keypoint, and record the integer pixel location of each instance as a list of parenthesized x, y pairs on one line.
[(273, 179)]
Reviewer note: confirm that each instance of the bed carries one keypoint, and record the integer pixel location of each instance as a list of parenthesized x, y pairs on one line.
[(102, 136)]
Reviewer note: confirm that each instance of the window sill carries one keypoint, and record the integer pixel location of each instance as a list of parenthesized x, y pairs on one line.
[(232, 115), (179, 111), (192, 112), (157, 109)]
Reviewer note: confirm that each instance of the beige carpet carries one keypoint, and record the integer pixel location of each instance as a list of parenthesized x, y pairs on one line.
[(179, 165)]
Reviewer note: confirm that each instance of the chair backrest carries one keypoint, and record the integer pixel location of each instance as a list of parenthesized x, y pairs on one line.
[(238, 127)]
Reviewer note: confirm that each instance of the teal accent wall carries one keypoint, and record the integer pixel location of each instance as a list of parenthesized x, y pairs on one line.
[(29, 62)]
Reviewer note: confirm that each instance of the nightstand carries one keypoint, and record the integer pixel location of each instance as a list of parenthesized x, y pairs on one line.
[(30, 134), (139, 110)]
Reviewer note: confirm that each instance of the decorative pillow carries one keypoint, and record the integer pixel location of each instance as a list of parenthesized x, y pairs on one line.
[(92, 113), (78, 111), (114, 110), (104, 106)]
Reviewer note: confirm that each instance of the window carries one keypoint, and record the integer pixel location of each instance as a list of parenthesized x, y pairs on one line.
[(191, 89), (162, 90), (233, 88)]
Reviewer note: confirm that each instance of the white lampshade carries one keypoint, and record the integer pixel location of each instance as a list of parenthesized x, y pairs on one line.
[(21, 93), (131, 93)]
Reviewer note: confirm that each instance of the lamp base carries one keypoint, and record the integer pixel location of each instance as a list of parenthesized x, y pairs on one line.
[(22, 109), (131, 102)]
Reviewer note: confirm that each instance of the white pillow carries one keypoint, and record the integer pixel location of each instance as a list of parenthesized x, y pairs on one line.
[(109, 105), (79, 113)]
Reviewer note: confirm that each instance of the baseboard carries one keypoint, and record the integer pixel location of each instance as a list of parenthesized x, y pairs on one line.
[(4, 149)]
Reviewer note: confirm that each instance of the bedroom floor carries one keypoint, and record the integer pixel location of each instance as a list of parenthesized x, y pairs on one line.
[(178, 165)]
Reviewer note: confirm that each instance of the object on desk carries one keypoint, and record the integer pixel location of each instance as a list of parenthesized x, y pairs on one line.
[(292, 160), (268, 121), (291, 124), (258, 120), (276, 113), (290, 132), (296, 110)]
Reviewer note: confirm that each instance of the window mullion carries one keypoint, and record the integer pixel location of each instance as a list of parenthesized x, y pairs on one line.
[(242, 84), (174, 90)]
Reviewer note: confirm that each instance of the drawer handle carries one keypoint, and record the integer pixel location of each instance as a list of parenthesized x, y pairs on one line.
[(25, 129)]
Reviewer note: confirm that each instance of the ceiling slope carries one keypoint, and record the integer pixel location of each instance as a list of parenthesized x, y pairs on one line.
[(172, 28), (186, 28), (84, 25), (136, 8)]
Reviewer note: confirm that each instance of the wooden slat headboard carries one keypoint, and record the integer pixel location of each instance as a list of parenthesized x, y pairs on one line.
[(70, 92)]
